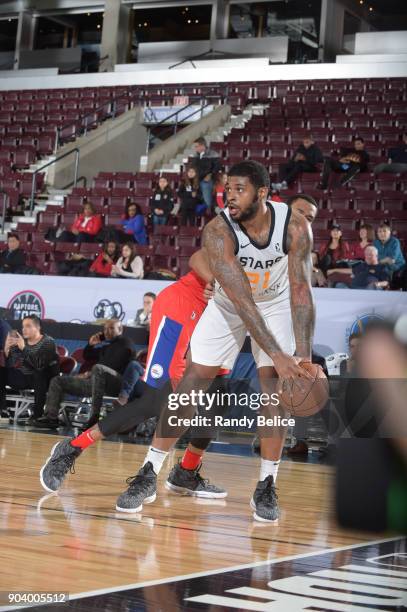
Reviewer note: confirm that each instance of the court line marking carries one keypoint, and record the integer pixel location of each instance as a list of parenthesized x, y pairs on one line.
[(140, 585)]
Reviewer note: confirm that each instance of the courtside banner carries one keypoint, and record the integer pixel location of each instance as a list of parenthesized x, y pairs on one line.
[(340, 312)]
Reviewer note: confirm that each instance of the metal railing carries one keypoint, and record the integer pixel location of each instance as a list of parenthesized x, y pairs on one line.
[(50, 163), (81, 129), (204, 103)]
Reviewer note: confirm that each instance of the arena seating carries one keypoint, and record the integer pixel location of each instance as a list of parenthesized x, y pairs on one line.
[(334, 111)]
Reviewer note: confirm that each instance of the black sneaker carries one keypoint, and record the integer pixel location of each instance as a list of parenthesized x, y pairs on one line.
[(59, 463), (46, 422), (265, 501), (190, 482), (142, 489)]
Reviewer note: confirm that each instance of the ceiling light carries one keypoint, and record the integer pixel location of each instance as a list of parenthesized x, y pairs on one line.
[(145, 24), (88, 14), (196, 20), (370, 8), (186, 8), (98, 26)]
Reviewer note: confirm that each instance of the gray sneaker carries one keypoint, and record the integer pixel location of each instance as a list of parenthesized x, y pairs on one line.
[(59, 463), (142, 489), (265, 501), (190, 482)]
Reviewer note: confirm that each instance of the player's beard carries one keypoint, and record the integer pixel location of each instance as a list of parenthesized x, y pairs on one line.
[(250, 212)]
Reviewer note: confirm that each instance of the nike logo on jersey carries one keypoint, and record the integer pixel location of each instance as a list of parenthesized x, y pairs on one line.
[(243, 246)]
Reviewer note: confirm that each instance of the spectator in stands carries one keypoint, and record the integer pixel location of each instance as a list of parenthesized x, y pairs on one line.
[(305, 159), (31, 362), (133, 225), (190, 196), (366, 238), (12, 259), (389, 249), (347, 367), (102, 266), (351, 161), (129, 265), (143, 315), (162, 202), (334, 250), (85, 227), (112, 352), (207, 163), (318, 278), (219, 192), (75, 264), (369, 274), (397, 161)]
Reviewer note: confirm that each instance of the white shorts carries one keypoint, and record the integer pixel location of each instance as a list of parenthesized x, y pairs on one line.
[(220, 334)]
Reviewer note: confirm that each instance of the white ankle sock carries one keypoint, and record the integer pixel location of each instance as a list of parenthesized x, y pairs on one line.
[(268, 467), (157, 458)]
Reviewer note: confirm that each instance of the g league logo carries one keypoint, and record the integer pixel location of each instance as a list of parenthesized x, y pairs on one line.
[(26, 303), (105, 309)]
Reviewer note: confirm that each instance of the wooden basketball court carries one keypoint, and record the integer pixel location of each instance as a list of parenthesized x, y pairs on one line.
[(74, 542)]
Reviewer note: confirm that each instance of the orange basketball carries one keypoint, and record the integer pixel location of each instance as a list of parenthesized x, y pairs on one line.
[(312, 398)]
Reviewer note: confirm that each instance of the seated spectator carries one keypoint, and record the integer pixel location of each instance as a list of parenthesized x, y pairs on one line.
[(12, 259), (85, 227), (207, 163), (74, 264), (219, 192), (143, 315), (389, 249), (369, 274), (102, 266), (162, 202), (129, 265), (31, 362), (397, 161), (347, 367), (134, 225), (334, 250), (305, 159), (318, 278), (366, 238), (351, 161), (190, 196), (112, 352)]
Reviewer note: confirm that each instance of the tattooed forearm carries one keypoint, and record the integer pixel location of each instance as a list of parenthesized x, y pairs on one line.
[(219, 245), (299, 271)]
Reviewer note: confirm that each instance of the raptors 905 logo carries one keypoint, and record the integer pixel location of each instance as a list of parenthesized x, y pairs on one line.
[(26, 303)]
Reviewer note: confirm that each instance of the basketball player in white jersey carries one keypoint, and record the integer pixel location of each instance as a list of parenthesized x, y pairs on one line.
[(259, 253)]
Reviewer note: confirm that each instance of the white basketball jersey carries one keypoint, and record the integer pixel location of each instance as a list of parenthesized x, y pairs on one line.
[(266, 266)]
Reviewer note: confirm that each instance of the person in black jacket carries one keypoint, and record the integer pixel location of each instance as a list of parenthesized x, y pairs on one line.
[(12, 259), (305, 159), (397, 159), (112, 352), (162, 202), (351, 161), (31, 362), (190, 196), (207, 163)]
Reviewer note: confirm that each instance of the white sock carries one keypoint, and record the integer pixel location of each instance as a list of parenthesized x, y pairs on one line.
[(157, 458), (268, 468)]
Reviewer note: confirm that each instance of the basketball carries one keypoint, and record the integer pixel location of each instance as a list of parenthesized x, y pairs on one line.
[(309, 400)]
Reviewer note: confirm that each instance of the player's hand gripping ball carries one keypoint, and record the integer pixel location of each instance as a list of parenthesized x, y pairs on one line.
[(311, 397)]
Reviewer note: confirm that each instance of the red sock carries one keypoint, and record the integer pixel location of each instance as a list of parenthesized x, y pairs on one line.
[(190, 460), (84, 440)]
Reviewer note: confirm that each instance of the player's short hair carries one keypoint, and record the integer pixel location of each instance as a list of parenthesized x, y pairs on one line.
[(358, 138), (302, 196), (35, 320), (13, 235), (150, 294), (254, 171), (383, 224)]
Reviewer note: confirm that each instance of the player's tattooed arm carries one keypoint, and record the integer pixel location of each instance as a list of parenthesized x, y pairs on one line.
[(219, 244), (299, 243)]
